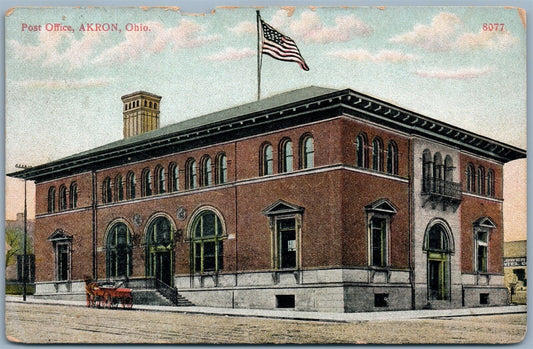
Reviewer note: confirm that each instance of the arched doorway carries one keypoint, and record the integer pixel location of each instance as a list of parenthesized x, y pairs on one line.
[(438, 244), (160, 250)]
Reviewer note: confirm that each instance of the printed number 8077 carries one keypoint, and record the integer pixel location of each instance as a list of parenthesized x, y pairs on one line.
[(492, 27)]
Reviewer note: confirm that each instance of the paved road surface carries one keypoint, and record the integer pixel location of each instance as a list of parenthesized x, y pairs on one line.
[(38, 323)]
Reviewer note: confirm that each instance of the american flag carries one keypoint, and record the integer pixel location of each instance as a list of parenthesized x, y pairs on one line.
[(280, 46)]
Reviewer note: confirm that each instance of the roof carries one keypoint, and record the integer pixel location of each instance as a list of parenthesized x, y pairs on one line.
[(300, 105), (217, 117)]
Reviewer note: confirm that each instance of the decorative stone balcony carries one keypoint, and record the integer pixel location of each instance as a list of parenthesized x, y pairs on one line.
[(438, 191)]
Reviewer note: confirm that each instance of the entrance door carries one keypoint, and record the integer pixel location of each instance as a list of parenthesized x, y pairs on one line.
[(163, 267), (437, 276)]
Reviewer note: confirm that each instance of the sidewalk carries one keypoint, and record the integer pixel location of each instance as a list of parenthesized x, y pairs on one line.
[(303, 315)]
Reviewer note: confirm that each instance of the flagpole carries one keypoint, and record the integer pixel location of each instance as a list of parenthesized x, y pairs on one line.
[(258, 55)]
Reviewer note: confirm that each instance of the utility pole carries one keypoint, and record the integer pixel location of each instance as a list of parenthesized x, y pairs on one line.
[(25, 255)]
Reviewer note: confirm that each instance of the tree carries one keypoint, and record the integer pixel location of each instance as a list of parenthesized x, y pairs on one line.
[(15, 240)]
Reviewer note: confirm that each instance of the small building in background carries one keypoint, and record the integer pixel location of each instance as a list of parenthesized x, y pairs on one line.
[(515, 269)]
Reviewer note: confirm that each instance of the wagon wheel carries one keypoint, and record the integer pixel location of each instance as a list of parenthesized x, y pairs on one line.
[(114, 302), (127, 302)]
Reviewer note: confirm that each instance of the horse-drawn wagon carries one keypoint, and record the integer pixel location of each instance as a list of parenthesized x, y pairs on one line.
[(107, 296)]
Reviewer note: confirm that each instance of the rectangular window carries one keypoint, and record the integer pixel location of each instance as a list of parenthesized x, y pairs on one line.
[(483, 298), (209, 256), (63, 262), (287, 240), (285, 301), (198, 257), (481, 252), (381, 300), (378, 227), (220, 255)]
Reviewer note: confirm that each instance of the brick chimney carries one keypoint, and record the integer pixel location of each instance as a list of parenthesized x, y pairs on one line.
[(141, 113)]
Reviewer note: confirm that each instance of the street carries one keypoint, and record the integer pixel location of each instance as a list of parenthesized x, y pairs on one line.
[(36, 323)]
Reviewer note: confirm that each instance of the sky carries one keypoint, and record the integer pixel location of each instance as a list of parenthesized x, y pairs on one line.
[(454, 64)]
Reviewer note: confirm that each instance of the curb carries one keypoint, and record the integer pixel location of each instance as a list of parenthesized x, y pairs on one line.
[(301, 315)]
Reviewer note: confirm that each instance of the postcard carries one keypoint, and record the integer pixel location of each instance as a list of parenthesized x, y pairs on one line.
[(266, 175)]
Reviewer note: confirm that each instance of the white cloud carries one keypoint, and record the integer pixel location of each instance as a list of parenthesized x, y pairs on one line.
[(382, 56), (232, 54), (64, 84), (439, 36), (457, 74), (188, 34), (444, 34), (63, 49), (50, 49), (245, 27), (486, 39), (310, 28)]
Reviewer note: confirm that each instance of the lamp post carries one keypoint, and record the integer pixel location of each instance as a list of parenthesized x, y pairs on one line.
[(25, 256)]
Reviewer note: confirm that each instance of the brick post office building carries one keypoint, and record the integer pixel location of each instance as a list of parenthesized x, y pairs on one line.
[(315, 199)]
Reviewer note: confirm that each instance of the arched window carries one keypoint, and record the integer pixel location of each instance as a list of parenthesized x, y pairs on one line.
[(437, 239), (307, 152), (206, 234), (481, 180), (207, 173), (267, 160), (448, 169), (62, 198), (160, 185), (377, 154), (392, 158), (119, 251), (191, 174), (427, 171), (286, 158), (361, 150), (73, 197), (107, 195), (438, 184), (490, 182), (470, 178), (119, 188), (221, 168), (173, 172), (130, 185), (146, 182)]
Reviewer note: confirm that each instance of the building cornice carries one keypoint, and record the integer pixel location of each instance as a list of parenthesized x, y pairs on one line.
[(426, 127), (248, 121)]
